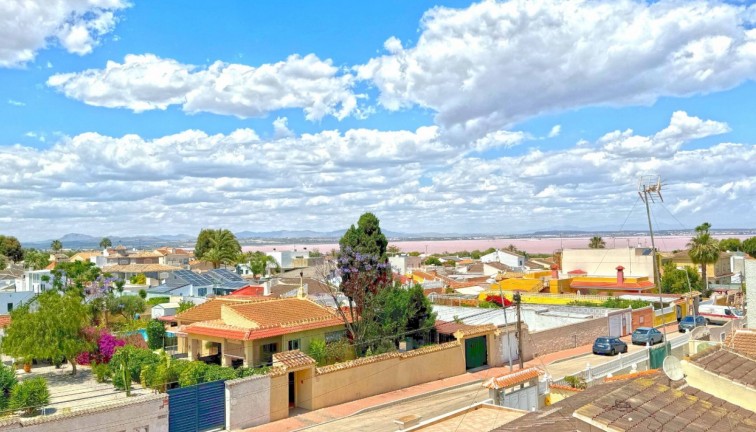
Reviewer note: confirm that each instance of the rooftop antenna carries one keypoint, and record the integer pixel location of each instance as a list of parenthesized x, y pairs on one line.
[(649, 189)]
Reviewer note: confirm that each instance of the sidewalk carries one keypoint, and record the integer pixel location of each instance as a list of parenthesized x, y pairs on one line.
[(310, 418)]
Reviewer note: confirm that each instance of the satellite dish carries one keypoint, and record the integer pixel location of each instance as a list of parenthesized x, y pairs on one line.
[(672, 368)]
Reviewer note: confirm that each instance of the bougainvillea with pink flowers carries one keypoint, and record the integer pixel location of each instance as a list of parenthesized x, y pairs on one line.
[(104, 345)]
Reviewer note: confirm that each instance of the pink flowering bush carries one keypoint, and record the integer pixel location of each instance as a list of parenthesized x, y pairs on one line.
[(104, 345)]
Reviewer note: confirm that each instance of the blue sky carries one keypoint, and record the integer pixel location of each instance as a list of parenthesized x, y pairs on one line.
[(493, 117)]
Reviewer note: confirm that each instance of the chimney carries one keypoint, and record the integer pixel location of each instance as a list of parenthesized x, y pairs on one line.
[(620, 275), (554, 271), (266, 287)]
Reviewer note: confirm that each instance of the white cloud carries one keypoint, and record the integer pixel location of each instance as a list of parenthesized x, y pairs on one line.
[(16, 103), (147, 82), (496, 63), (412, 179), (27, 26), (555, 131)]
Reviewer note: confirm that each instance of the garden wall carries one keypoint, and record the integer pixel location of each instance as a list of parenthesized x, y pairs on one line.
[(248, 402), (138, 414), (356, 379), (567, 337)]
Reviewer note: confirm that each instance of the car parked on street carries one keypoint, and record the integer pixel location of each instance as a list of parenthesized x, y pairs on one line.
[(609, 345), (644, 335), (689, 322)]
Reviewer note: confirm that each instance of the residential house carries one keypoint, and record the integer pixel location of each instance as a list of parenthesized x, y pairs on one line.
[(175, 257), (186, 283), (288, 260), (505, 257), (164, 310), (86, 256), (155, 273), (122, 256), (237, 331), (403, 264), (492, 268), (719, 272), (636, 262), (35, 281)]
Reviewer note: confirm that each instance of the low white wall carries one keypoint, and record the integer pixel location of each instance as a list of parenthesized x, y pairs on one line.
[(247, 402), (138, 414)]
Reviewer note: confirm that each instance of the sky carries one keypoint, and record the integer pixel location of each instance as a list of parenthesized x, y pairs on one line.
[(135, 117)]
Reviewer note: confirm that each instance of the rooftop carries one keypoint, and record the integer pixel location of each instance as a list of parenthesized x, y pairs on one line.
[(477, 418), (293, 359), (211, 309), (139, 268), (742, 341), (513, 379), (728, 364)]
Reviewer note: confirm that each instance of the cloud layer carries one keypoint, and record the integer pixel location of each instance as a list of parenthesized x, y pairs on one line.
[(147, 82), (494, 64), (76, 25), (411, 179)]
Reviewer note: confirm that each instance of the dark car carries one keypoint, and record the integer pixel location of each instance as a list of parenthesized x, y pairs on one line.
[(689, 323), (643, 335), (609, 345)]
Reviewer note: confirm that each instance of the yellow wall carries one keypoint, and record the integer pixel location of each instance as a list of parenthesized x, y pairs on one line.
[(279, 397), (722, 388), (387, 374), (526, 285)]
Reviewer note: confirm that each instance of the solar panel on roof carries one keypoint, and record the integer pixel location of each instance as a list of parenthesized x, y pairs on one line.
[(193, 278), (224, 275)]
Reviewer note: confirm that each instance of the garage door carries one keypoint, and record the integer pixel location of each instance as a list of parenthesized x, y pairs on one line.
[(615, 325), (475, 352)]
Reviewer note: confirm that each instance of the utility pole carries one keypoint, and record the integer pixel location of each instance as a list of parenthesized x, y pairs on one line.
[(506, 326), (517, 300), (648, 188)]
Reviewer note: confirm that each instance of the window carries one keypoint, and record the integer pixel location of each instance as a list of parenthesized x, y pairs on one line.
[(335, 336), (293, 344), (266, 353), (202, 292), (10, 307)]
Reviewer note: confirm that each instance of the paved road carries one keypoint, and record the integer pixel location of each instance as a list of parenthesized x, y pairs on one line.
[(382, 419), (571, 366)]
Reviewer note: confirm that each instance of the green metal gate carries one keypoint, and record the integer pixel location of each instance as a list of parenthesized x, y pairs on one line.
[(197, 408), (656, 356), (475, 352)]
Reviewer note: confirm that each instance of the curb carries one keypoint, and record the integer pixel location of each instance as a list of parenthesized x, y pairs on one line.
[(394, 402)]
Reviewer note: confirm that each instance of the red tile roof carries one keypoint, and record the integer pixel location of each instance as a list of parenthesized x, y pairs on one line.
[(742, 342), (249, 290), (513, 379), (643, 285), (4, 321), (293, 359)]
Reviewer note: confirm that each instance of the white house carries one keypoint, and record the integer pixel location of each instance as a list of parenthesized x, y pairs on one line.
[(286, 259), (35, 281), (402, 264), (510, 259), (164, 309)]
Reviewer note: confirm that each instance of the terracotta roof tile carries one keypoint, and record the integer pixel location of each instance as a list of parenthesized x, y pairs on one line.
[(211, 309), (284, 312), (742, 342), (728, 364), (293, 359), (513, 379), (139, 268), (4, 320)]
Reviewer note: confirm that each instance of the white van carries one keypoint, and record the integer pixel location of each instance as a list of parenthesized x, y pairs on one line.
[(715, 314)]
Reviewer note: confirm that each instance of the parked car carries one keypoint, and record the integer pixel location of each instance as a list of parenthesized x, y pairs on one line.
[(609, 345), (644, 335), (689, 323), (716, 314)]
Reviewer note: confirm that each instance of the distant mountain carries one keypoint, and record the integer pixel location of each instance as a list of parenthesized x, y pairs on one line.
[(84, 241)]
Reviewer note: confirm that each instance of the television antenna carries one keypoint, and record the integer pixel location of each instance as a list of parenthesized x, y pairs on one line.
[(672, 368)]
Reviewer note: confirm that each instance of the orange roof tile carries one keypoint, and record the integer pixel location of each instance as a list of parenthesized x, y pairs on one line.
[(742, 341), (211, 309), (513, 379), (4, 320), (293, 359), (249, 290), (218, 328)]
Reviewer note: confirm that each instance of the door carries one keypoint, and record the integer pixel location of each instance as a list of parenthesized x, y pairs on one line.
[(615, 325), (524, 399), (475, 352), (197, 408), (292, 390)]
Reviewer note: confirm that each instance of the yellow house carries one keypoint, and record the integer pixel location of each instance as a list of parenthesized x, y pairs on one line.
[(248, 330), (718, 272)]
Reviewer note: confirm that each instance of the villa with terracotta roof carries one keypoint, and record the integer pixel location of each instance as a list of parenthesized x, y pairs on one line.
[(239, 330)]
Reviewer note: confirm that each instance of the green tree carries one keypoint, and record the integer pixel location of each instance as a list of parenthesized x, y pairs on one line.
[(77, 274), (703, 250), (730, 244), (3, 263), (105, 243), (259, 262), (596, 242), (366, 238), (184, 305), (53, 329), (127, 306), (217, 246), (393, 250), (138, 279), (35, 259), (414, 253), (749, 246), (155, 334), (675, 281), (11, 248), (125, 360), (30, 395), (431, 260), (56, 246), (317, 350)]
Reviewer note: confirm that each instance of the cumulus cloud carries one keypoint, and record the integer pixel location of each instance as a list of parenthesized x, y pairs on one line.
[(77, 25), (496, 63), (147, 82), (414, 180), (555, 131)]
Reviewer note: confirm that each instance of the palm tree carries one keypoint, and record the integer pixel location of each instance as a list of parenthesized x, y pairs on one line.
[(596, 243), (56, 245), (703, 250), (224, 248), (105, 243), (258, 262)]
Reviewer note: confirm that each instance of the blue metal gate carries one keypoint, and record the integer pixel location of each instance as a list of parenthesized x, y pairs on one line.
[(197, 408)]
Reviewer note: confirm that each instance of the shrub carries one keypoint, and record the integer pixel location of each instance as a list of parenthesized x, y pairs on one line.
[(30, 395), (8, 380), (338, 351), (101, 372), (576, 382), (317, 350), (158, 300), (193, 374), (138, 359), (155, 334), (219, 373), (136, 340), (244, 372), (104, 345)]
